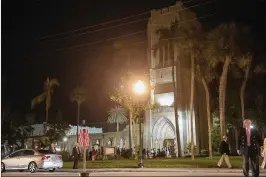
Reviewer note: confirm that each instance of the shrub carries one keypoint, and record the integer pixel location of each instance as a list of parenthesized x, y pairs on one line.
[(189, 147), (66, 156)]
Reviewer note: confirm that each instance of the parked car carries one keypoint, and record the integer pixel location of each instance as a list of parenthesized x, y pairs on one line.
[(32, 160)]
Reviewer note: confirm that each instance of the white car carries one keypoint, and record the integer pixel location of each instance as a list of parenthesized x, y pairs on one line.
[(32, 160)]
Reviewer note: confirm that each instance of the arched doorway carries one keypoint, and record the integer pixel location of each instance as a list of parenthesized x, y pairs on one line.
[(164, 134)]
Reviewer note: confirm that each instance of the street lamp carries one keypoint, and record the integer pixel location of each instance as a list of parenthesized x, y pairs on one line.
[(139, 88)]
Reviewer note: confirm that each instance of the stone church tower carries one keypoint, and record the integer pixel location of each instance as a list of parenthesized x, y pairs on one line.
[(159, 125)]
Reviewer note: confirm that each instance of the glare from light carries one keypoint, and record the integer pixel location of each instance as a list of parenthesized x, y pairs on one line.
[(251, 126), (139, 87), (165, 99), (65, 139)]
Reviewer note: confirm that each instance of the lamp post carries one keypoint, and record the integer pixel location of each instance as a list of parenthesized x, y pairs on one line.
[(139, 89)]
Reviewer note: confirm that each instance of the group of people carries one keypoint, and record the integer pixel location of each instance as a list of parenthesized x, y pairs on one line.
[(164, 152), (250, 144)]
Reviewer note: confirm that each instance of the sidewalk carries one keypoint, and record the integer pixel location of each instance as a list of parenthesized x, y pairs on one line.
[(201, 170)]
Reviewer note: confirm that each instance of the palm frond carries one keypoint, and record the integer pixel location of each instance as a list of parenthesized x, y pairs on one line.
[(49, 84), (117, 115), (38, 99), (54, 82)]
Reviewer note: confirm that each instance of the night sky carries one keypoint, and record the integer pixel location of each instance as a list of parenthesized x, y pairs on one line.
[(28, 57)]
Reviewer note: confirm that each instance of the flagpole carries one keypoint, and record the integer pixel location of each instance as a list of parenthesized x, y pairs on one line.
[(84, 158), (85, 143)]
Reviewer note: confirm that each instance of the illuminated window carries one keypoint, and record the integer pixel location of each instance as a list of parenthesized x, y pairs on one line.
[(165, 99)]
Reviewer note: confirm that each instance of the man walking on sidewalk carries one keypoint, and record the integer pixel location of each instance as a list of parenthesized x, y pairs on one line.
[(224, 149), (76, 154), (248, 146)]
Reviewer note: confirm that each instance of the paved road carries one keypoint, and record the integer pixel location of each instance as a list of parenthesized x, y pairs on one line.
[(132, 174)]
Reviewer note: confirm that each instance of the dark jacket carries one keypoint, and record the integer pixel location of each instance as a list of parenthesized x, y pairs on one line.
[(224, 148), (75, 152), (255, 141)]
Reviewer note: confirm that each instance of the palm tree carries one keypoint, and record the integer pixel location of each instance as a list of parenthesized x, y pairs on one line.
[(177, 101), (246, 62), (117, 115), (189, 43), (192, 86), (222, 48), (78, 95), (49, 86)]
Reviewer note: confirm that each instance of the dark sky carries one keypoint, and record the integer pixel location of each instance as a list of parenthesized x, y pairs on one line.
[(27, 60)]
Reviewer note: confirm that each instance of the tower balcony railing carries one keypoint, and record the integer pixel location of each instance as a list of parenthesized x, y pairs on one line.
[(163, 109)]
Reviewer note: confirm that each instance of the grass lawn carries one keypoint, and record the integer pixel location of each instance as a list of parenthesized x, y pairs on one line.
[(160, 163)]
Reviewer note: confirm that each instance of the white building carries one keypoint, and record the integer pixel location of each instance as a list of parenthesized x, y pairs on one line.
[(160, 124)]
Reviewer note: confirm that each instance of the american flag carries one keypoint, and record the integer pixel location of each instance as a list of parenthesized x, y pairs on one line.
[(84, 138)]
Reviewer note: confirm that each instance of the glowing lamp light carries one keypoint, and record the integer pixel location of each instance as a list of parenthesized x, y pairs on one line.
[(139, 87), (251, 126), (65, 139), (165, 100)]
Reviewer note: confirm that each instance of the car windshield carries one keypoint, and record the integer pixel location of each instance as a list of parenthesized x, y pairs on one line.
[(43, 151)]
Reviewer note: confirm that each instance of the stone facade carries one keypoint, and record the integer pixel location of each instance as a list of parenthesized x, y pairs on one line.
[(160, 124)]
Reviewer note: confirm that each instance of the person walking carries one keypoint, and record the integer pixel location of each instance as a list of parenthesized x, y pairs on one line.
[(224, 150), (264, 154), (249, 141), (76, 154)]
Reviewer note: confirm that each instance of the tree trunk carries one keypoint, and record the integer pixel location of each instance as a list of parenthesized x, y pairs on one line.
[(222, 95), (117, 140), (178, 143), (117, 127), (208, 116), (236, 137), (46, 120), (130, 131), (242, 92), (135, 138), (78, 123), (192, 104)]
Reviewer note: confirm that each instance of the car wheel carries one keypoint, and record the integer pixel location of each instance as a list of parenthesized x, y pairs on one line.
[(52, 170), (3, 167), (32, 167)]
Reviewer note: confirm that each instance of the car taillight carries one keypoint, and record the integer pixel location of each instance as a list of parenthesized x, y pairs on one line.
[(45, 157)]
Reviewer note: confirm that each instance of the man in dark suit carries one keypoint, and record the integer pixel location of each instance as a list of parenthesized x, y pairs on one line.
[(249, 143), (224, 150), (76, 154)]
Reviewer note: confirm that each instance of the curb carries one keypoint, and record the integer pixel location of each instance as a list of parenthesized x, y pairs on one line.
[(207, 170)]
